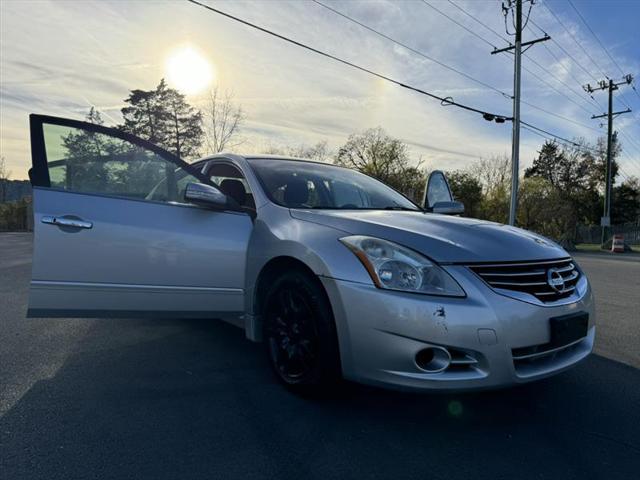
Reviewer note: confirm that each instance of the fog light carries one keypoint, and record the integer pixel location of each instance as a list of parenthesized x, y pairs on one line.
[(433, 359)]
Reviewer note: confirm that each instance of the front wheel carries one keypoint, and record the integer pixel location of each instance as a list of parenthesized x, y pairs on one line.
[(300, 334)]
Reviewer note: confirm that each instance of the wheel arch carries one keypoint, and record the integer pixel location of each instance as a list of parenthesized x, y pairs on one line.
[(269, 271)]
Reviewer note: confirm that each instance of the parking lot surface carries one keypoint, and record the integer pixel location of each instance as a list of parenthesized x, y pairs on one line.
[(175, 399)]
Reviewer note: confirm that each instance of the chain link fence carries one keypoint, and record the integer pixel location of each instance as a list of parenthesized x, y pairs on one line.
[(593, 233)]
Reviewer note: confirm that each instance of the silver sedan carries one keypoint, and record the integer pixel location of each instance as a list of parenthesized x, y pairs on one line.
[(337, 274)]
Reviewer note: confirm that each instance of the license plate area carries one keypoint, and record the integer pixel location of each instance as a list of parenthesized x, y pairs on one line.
[(568, 328)]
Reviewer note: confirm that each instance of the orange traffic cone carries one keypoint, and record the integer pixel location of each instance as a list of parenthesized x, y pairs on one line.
[(617, 246)]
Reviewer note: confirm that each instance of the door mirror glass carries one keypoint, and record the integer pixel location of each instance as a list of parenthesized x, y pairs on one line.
[(206, 195), (438, 197), (437, 190)]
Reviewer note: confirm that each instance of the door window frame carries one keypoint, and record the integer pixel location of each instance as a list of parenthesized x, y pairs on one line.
[(211, 162), (39, 172)]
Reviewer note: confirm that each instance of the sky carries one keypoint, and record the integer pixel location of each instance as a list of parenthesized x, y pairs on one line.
[(62, 57)]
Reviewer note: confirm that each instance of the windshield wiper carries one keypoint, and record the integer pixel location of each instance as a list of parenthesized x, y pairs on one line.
[(405, 209), (396, 207)]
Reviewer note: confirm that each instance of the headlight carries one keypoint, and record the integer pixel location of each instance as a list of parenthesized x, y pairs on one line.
[(395, 267)]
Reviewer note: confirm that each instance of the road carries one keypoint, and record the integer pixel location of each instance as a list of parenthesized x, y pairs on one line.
[(169, 399)]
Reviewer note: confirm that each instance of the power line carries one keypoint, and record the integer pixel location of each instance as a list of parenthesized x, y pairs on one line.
[(635, 162), (561, 117), (633, 87), (579, 95), (613, 60), (445, 101), (555, 136), (454, 21), (417, 52), (631, 159), (595, 36), (478, 21), (631, 142), (552, 87), (556, 78), (377, 32), (550, 136), (524, 67), (622, 96), (574, 38), (553, 40), (559, 62)]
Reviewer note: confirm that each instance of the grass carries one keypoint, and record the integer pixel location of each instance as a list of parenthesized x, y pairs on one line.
[(588, 247)]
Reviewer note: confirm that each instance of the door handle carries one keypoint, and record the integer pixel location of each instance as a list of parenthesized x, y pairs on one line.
[(66, 222)]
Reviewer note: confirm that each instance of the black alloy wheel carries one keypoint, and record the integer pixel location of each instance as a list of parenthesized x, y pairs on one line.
[(300, 332)]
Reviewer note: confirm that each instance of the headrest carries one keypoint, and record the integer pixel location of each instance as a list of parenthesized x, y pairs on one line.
[(296, 192), (234, 189)]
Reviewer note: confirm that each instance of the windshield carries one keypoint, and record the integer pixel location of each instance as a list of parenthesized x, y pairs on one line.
[(299, 184)]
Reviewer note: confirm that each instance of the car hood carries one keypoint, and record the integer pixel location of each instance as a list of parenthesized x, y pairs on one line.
[(443, 238)]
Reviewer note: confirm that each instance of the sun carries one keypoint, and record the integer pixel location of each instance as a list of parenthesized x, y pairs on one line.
[(188, 71)]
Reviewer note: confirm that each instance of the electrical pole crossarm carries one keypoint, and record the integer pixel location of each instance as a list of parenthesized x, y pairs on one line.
[(604, 85), (523, 44), (593, 117)]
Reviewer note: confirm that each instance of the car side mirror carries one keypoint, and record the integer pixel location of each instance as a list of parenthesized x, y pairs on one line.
[(448, 208), (206, 196), (438, 197)]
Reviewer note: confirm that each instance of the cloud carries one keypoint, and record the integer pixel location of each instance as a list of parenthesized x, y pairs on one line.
[(63, 56)]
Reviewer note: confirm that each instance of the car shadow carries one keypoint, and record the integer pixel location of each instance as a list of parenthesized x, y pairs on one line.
[(194, 399)]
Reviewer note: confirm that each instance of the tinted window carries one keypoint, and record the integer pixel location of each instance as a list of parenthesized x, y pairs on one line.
[(297, 184), (89, 162)]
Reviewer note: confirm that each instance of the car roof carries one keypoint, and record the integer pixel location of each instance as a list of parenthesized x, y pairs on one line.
[(286, 158), (265, 156)]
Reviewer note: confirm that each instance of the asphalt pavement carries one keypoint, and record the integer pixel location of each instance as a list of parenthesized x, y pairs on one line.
[(174, 399)]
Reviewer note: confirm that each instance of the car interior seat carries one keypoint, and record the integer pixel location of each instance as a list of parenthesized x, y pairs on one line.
[(234, 189), (296, 193)]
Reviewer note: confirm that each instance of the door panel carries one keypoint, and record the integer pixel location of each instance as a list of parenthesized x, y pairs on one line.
[(113, 238)]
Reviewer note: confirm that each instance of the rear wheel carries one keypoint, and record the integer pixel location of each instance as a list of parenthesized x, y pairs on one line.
[(299, 332)]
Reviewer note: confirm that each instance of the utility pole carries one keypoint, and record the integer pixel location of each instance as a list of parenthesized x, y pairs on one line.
[(611, 86), (515, 136)]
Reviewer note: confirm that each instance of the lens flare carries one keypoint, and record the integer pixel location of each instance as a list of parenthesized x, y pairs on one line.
[(455, 408)]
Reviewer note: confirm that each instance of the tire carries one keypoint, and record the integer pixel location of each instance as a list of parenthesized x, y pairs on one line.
[(300, 333)]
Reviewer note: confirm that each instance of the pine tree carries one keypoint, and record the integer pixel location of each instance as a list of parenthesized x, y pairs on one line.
[(164, 117)]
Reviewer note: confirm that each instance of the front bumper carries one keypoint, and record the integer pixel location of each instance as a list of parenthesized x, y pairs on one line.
[(495, 341)]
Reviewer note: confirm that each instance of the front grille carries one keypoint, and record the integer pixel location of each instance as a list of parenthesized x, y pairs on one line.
[(533, 278)]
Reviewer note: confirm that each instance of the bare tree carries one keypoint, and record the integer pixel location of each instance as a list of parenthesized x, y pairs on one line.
[(222, 121), (494, 173), (376, 153), (4, 176), (318, 152)]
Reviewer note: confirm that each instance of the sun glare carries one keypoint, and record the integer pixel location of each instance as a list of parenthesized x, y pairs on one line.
[(188, 71)]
